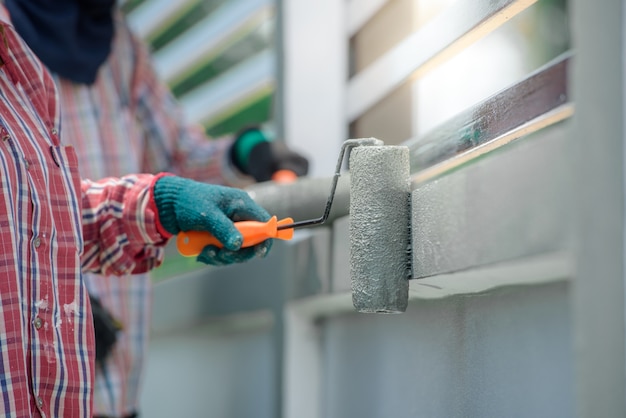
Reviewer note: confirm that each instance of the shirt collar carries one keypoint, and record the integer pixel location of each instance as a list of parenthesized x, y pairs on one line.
[(4, 15)]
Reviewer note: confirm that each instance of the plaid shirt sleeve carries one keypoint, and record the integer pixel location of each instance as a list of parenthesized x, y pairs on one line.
[(120, 226)]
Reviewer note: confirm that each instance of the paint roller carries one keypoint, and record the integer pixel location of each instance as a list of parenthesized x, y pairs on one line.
[(380, 228), (379, 225)]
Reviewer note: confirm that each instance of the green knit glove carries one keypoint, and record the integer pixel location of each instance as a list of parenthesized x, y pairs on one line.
[(254, 154), (187, 205)]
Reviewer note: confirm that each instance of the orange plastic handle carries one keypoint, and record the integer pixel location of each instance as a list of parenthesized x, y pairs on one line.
[(191, 243), (284, 176)]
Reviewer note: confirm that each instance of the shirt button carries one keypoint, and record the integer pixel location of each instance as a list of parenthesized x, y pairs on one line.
[(6, 137), (38, 323), (37, 242), (54, 131), (26, 164), (39, 401)]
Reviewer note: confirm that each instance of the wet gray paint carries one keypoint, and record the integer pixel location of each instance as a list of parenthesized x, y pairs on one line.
[(379, 228), (515, 205)]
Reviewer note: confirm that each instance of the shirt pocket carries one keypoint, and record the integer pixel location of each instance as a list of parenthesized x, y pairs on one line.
[(68, 193)]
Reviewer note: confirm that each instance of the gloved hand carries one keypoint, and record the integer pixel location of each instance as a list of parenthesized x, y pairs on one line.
[(187, 205), (255, 155)]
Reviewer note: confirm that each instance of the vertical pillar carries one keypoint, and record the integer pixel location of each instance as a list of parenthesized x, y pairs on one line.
[(598, 161), (313, 79)]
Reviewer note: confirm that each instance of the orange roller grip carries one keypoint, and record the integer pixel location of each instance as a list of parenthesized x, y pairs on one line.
[(284, 176), (191, 243)]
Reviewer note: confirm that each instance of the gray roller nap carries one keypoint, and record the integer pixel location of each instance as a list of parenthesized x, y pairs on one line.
[(379, 228)]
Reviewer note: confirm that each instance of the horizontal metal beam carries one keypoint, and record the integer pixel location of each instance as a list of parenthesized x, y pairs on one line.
[(532, 270), (210, 36), (219, 98), (153, 14), (515, 204), (456, 28), (293, 269), (539, 100), (360, 12), (303, 199)]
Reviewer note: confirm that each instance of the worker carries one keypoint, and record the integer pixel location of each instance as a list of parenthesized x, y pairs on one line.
[(122, 119), (55, 225)]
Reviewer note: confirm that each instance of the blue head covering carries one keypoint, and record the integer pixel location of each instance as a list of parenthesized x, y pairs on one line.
[(71, 37)]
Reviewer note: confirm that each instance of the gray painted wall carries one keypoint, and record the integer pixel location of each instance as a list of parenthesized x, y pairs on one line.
[(502, 354), (216, 370)]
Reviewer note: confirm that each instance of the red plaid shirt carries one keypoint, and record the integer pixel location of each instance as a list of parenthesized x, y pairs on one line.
[(46, 332)]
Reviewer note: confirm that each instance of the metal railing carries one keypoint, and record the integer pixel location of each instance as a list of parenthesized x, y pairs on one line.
[(494, 201)]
